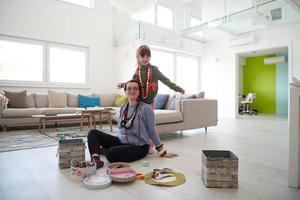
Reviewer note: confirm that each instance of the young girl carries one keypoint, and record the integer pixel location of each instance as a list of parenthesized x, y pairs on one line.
[(148, 75), (136, 127)]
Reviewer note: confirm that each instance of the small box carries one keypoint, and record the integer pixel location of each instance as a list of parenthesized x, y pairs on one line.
[(219, 169), (68, 150)]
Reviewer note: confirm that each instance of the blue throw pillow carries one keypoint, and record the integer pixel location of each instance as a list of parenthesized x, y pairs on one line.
[(160, 101), (88, 101)]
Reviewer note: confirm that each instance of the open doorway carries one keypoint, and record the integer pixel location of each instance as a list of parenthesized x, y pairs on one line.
[(263, 82)]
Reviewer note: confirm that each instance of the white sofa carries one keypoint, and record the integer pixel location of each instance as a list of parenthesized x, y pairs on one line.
[(188, 113)]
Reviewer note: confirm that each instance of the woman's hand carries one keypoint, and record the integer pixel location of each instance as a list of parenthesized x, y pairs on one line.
[(170, 155)]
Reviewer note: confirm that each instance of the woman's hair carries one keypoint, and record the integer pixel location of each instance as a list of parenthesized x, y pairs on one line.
[(144, 50), (139, 87)]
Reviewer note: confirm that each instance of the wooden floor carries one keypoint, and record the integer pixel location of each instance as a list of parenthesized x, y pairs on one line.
[(261, 143)]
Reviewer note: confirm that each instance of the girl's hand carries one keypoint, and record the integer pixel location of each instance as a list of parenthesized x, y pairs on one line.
[(170, 155), (119, 86)]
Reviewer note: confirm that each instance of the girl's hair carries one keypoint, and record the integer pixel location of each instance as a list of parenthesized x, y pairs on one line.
[(144, 50), (139, 86)]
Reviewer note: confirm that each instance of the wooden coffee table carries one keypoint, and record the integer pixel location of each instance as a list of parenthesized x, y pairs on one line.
[(48, 118), (93, 112)]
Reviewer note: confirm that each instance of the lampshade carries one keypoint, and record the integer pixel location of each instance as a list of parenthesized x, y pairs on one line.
[(133, 6)]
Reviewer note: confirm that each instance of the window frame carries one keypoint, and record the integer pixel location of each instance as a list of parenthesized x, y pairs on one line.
[(45, 79)]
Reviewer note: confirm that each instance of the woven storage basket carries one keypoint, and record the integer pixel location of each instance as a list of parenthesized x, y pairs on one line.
[(219, 169)]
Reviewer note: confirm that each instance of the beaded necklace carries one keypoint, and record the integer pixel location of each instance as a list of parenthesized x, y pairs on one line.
[(145, 87)]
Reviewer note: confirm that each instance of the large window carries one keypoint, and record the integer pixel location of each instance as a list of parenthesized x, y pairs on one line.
[(179, 68), (41, 63), (21, 61), (159, 15), (164, 17), (187, 75), (64, 61), (165, 63)]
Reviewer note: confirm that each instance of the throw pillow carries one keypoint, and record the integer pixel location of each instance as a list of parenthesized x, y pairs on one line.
[(160, 101), (41, 100), (174, 100), (179, 98), (200, 95), (73, 100), (88, 101), (30, 102), (120, 100), (57, 99), (16, 99)]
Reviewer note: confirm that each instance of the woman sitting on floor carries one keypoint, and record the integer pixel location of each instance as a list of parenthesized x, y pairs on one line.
[(136, 128)]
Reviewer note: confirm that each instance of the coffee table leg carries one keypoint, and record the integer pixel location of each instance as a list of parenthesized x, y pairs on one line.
[(100, 120), (110, 121), (40, 125), (81, 121), (94, 121), (44, 125)]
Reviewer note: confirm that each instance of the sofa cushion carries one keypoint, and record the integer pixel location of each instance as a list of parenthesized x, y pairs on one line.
[(107, 100), (73, 100), (57, 99), (30, 102), (41, 100), (16, 99), (21, 112), (167, 116), (160, 101), (55, 111)]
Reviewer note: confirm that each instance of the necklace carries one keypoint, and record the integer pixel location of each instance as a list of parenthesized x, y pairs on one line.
[(145, 86)]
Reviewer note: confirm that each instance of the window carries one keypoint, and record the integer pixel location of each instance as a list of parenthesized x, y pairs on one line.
[(146, 16), (20, 61), (85, 3), (23, 61), (179, 68), (165, 62), (164, 17), (159, 15), (196, 22), (64, 61), (188, 73)]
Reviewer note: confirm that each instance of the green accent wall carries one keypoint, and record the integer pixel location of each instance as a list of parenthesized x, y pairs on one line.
[(261, 79)]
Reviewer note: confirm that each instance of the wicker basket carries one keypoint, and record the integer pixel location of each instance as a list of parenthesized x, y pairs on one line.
[(219, 169), (70, 149)]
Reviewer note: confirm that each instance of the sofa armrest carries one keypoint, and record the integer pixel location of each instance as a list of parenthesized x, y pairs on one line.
[(199, 113)]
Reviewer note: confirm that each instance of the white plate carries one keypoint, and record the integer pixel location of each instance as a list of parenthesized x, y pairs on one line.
[(97, 181)]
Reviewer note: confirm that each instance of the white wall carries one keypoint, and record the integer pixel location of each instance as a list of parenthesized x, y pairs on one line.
[(219, 79), (57, 21)]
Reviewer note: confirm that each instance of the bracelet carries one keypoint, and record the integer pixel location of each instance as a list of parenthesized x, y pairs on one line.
[(159, 147), (162, 152)]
